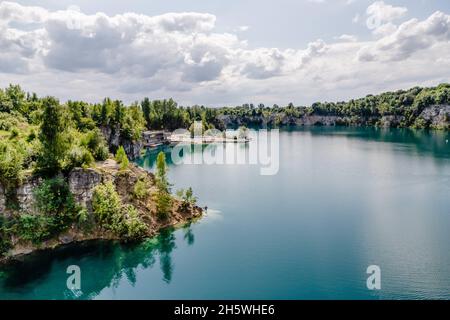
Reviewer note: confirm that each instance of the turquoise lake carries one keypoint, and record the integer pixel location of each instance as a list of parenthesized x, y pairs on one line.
[(343, 199)]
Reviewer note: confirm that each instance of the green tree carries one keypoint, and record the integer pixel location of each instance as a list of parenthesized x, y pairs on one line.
[(106, 205), (140, 189), (146, 109), (187, 198), (34, 227), (132, 225), (96, 144), (55, 201), (161, 173), (121, 158), (11, 163), (163, 204), (78, 157), (163, 197), (132, 123), (122, 220), (52, 135)]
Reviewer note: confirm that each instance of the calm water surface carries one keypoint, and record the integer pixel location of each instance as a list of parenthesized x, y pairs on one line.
[(343, 199)]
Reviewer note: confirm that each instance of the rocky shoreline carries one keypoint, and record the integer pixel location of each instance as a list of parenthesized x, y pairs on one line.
[(82, 183), (435, 117)]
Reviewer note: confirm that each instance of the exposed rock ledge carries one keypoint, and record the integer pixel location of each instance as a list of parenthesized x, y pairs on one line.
[(435, 117), (81, 183)]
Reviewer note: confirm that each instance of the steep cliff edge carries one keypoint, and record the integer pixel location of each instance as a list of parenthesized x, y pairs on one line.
[(82, 184), (434, 117), (115, 140)]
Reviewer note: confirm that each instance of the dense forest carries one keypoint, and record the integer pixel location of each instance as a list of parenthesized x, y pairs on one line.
[(45, 136), (42, 141), (404, 105)]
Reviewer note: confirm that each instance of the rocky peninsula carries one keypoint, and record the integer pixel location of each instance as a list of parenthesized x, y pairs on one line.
[(135, 188)]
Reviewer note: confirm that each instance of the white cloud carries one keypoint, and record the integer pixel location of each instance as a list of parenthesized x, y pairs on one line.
[(346, 38), (243, 28), (409, 38), (180, 44), (87, 56), (380, 16), (385, 12)]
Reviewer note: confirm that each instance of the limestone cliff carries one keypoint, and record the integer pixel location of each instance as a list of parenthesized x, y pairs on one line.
[(435, 117), (115, 140), (82, 183)]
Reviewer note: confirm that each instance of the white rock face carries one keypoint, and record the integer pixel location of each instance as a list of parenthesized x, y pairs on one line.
[(25, 196), (81, 184), (114, 140), (438, 115)]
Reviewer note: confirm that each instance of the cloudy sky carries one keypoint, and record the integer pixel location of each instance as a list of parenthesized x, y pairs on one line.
[(217, 53)]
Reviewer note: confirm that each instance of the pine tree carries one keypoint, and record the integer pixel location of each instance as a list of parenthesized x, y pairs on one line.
[(121, 158), (163, 197), (53, 137)]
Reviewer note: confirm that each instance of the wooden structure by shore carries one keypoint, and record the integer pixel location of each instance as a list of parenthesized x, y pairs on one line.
[(152, 139)]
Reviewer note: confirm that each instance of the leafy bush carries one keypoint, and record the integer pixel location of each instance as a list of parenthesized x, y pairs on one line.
[(140, 190), (78, 157), (14, 133), (132, 226), (106, 205), (96, 144), (101, 153), (34, 228), (31, 136), (111, 215), (10, 120), (53, 197), (163, 204), (420, 123), (57, 210), (83, 219), (11, 163)]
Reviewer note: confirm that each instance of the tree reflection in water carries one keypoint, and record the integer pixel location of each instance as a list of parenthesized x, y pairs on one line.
[(102, 263), (188, 234)]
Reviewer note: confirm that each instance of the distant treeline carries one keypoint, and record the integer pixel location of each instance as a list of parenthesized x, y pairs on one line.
[(45, 135), (405, 104)]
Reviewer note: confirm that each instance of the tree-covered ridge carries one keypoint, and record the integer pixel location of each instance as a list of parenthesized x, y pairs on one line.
[(46, 136), (42, 141), (405, 104)]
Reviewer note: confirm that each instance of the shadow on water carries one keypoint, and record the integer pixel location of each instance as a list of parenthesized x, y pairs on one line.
[(102, 264), (188, 234)]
